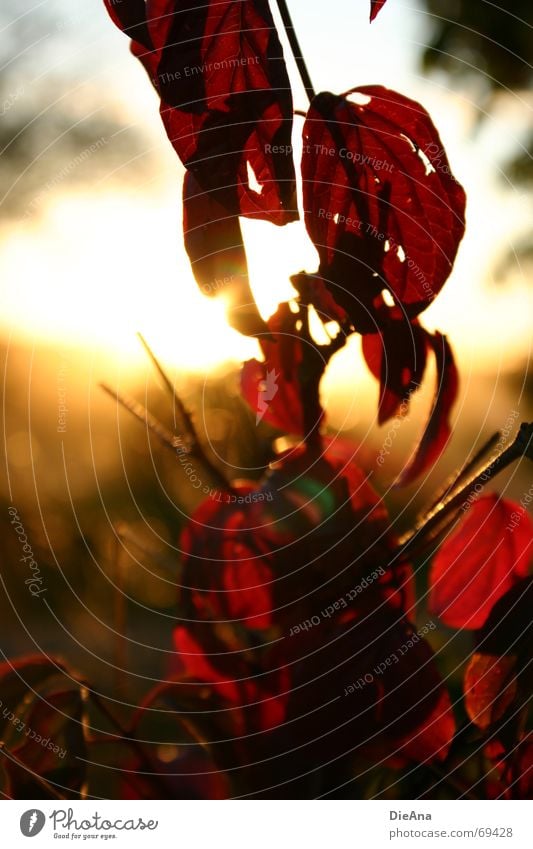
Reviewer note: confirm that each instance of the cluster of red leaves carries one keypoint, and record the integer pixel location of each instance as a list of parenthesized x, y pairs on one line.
[(479, 581), (225, 96), (289, 599), (380, 201), (385, 213)]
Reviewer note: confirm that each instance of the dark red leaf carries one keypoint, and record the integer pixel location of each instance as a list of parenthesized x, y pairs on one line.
[(480, 561), (376, 7), (259, 699), (214, 244), (509, 627), (357, 683), (272, 388), (245, 552), (225, 99), (381, 204), (524, 767), (130, 17), (489, 688), (438, 429), (433, 738), (397, 358), (313, 291)]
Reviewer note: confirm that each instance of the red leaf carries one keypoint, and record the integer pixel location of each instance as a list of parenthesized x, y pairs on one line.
[(130, 17), (509, 627), (480, 561), (225, 98), (272, 388), (261, 699), (376, 7), (313, 291), (489, 687), (438, 430), (432, 740), (397, 358), (245, 555), (214, 244), (388, 684), (381, 204)]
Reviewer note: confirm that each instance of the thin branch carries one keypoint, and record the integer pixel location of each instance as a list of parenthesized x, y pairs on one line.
[(463, 474), (184, 421), (174, 443), (296, 49), (522, 446)]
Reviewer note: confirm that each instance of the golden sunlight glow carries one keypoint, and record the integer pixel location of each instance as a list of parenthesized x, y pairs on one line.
[(95, 271)]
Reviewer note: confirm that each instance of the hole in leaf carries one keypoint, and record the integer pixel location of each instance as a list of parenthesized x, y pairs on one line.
[(427, 164), (387, 297), (253, 183), (336, 218), (400, 253), (358, 98), (409, 142)]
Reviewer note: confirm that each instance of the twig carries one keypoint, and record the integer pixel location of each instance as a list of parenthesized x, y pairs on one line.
[(174, 443), (450, 486), (120, 614), (522, 446), (296, 49), (184, 422)]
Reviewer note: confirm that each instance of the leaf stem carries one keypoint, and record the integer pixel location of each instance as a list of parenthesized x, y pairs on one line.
[(296, 49)]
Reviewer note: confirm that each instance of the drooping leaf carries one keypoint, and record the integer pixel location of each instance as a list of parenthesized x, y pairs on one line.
[(489, 688), (438, 429), (225, 98), (397, 358), (381, 204), (215, 247), (375, 7), (480, 561)]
